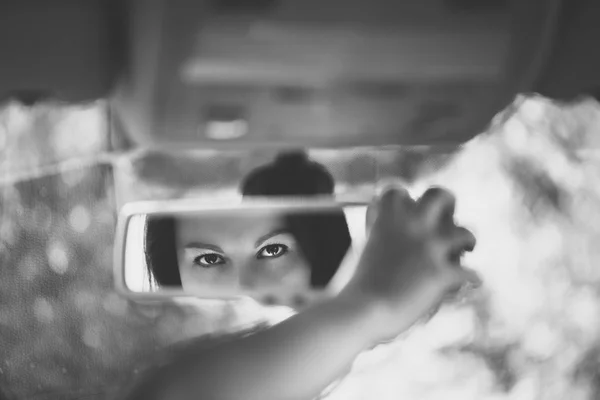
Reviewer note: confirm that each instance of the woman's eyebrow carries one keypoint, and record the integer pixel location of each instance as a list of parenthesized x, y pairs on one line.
[(270, 235), (200, 245)]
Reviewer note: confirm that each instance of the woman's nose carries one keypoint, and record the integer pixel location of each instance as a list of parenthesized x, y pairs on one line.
[(248, 277), (244, 277)]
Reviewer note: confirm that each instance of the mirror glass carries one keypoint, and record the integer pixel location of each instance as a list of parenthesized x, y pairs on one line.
[(278, 253)]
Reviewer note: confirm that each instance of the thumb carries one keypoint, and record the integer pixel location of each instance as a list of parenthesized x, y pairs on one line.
[(470, 277), (463, 279)]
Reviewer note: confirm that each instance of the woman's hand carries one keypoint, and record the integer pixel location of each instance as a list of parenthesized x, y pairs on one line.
[(411, 261)]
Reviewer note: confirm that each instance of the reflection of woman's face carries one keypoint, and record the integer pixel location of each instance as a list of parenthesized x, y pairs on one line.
[(252, 251)]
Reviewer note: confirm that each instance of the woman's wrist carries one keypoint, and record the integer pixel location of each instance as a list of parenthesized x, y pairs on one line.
[(369, 317), (382, 320)]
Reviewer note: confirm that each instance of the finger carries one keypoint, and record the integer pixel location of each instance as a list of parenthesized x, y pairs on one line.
[(459, 283), (461, 241), (437, 206), (462, 277), (395, 197), (387, 183), (461, 293)]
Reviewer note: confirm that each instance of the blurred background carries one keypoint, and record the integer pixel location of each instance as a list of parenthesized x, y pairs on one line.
[(529, 188)]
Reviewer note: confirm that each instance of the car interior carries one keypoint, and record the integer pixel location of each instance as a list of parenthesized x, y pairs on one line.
[(121, 115)]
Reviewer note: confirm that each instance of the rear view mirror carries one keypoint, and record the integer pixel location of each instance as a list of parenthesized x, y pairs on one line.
[(279, 252)]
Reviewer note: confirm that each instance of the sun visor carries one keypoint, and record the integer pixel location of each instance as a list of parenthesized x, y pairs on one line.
[(315, 73)]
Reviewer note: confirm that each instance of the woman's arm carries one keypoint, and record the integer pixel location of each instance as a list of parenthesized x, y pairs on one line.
[(296, 359)]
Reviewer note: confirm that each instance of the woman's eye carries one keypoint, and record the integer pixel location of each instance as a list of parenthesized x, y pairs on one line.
[(272, 251), (209, 260)]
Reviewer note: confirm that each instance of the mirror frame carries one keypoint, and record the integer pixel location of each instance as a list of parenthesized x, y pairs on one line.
[(183, 206)]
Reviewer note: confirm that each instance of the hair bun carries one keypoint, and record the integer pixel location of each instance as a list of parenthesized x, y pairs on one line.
[(296, 158), (292, 173)]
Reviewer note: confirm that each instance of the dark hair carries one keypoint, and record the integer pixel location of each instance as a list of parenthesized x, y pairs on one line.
[(323, 238)]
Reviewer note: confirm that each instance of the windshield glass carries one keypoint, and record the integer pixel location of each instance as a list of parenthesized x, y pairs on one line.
[(527, 189)]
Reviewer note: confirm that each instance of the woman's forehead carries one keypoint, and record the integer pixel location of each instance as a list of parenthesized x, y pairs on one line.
[(219, 227)]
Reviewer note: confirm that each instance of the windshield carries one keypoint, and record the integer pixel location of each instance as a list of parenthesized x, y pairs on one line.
[(527, 189)]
